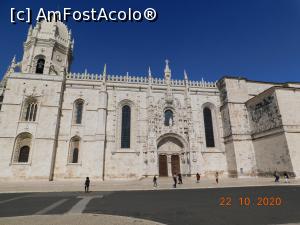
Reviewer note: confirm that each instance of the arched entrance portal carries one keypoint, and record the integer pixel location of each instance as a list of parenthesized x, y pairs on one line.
[(169, 151)]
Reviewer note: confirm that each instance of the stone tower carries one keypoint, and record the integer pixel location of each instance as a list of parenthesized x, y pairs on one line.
[(47, 49)]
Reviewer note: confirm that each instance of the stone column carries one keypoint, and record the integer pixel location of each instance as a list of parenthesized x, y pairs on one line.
[(169, 162)]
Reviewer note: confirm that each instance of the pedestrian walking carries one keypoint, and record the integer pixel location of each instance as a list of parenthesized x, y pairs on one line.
[(180, 178), (286, 177), (217, 177), (198, 177), (175, 180), (276, 175), (87, 184), (154, 181)]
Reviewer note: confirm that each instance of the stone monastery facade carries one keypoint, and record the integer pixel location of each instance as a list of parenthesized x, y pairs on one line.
[(56, 124)]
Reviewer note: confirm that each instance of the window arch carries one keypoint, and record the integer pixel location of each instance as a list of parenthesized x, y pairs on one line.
[(40, 66), (168, 117), (74, 150), (125, 129), (208, 126), (78, 111), (22, 148), (30, 109)]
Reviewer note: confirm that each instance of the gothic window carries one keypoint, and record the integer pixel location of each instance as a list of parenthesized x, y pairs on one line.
[(22, 148), (74, 150), (78, 109), (125, 130), (168, 117), (30, 109), (40, 66), (1, 101), (208, 126)]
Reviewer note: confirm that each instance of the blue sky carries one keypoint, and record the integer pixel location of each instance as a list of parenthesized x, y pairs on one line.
[(257, 39)]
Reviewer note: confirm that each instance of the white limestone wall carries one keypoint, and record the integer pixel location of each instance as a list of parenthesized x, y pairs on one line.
[(230, 159), (209, 159), (293, 140), (289, 105), (126, 163), (214, 162), (91, 132), (272, 153), (46, 89)]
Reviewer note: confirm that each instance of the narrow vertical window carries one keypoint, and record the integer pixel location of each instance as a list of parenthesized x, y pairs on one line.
[(40, 66), (78, 108), (125, 132), (74, 150), (208, 125), (75, 156), (168, 118)]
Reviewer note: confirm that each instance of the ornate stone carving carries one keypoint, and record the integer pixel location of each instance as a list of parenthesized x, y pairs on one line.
[(264, 115)]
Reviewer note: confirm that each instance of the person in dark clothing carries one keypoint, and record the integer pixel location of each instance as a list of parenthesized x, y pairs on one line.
[(155, 181), (175, 180), (180, 178), (87, 184), (217, 177), (198, 177), (276, 175), (286, 177)]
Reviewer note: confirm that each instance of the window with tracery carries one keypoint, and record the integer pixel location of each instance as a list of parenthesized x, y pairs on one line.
[(30, 108), (78, 111)]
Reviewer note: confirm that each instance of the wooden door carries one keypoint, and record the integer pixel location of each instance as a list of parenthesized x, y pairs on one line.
[(175, 164), (163, 166)]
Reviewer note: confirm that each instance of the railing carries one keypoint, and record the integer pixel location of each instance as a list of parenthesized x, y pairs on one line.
[(138, 80)]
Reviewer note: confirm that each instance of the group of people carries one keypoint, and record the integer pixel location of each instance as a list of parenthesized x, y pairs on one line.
[(177, 178), (277, 176)]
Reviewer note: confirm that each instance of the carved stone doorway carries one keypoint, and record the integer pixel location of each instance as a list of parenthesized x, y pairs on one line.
[(170, 149), (175, 164), (163, 166)]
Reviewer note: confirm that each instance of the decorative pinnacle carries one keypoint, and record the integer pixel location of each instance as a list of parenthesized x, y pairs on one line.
[(167, 68), (29, 30), (104, 70), (149, 72), (167, 71), (185, 75), (13, 61)]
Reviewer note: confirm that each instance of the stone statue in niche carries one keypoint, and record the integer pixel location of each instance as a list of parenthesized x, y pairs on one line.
[(170, 122)]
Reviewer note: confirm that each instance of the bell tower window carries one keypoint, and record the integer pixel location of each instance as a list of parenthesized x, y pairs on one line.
[(40, 66)]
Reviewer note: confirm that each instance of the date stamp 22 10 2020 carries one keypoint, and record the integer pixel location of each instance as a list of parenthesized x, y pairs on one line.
[(246, 201)]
